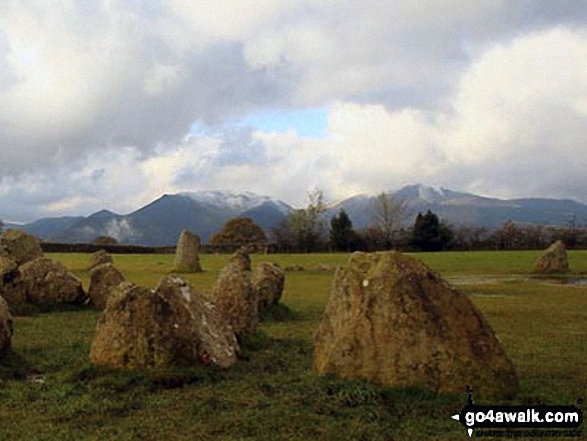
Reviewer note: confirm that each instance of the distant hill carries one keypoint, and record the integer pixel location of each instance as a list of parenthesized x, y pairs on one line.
[(467, 209), (160, 222), (204, 212)]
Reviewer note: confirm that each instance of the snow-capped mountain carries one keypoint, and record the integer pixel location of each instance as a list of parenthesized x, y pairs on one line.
[(235, 201)]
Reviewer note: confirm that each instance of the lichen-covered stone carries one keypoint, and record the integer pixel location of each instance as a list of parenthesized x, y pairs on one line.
[(6, 329), (236, 299), (242, 259), (20, 246), (103, 279), (100, 257), (10, 287), (187, 253), (268, 280), (48, 281), (553, 259), (392, 320), (170, 326)]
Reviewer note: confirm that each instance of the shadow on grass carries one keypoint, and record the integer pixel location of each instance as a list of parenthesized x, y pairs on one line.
[(14, 366), (278, 313), (31, 310)]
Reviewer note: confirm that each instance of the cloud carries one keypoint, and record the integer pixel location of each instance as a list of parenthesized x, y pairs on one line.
[(98, 99)]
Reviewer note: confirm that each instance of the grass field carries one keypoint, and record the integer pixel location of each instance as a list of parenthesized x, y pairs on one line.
[(48, 389)]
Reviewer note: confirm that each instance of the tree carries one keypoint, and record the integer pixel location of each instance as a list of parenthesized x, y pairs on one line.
[(238, 232), (303, 229), (388, 213), (342, 235), (429, 234), (105, 240)]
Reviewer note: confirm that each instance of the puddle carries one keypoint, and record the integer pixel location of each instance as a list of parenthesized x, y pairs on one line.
[(482, 280), (575, 281)]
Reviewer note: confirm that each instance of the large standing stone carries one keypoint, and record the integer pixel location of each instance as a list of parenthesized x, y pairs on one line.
[(392, 320), (553, 259), (236, 299), (48, 281), (100, 257), (268, 281), (187, 257), (242, 259), (5, 326), (10, 287), (20, 246), (103, 279), (169, 326)]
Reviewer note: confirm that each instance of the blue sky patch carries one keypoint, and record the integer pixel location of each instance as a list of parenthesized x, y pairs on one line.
[(307, 123)]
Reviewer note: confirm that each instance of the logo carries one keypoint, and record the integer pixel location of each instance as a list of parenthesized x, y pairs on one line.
[(538, 421)]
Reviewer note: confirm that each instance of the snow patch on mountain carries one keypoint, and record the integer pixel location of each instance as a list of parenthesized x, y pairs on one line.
[(235, 201)]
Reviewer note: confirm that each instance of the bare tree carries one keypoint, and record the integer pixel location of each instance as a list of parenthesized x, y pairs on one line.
[(388, 213)]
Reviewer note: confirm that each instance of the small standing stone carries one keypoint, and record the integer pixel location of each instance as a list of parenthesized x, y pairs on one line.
[(553, 259), (20, 246), (187, 254), (268, 280), (242, 259), (100, 257), (103, 279)]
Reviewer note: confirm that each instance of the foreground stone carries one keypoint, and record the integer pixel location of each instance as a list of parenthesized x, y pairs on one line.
[(103, 279), (6, 329), (47, 281), (242, 259), (553, 259), (236, 300), (268, 281), (169, 326), (187, 254), (391, 320), (20, 246), (10, 288), (100, 257)]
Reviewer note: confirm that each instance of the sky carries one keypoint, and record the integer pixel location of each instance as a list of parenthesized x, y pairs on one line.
[(113, 103)]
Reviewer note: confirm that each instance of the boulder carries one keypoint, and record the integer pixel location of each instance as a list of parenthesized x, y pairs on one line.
[(553, 259), (10, 287), (103, 279), (100, 257), (294, 267), (20, 246), (187, 257), (5, 326), (323, 267), (171, 326), (391, 320), (236, 299), (48, 281), (242, 259), (268, 281)]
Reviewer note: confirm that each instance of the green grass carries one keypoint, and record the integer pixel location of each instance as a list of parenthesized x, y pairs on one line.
[(48, 389)]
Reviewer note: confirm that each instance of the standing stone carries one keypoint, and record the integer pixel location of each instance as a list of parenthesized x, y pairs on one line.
[(103, 279), (10, 287), (48, 281), (236, 299), (20, 246), (553, 259), (171, 326), (268, 281), (392, 320), (5, 326), (100, 257), (242, 259), (187, 257)]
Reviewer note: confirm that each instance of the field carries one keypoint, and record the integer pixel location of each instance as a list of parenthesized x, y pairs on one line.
[(48, 389)]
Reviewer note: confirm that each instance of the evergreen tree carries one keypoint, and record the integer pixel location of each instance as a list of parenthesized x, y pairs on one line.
[(429, 234), (342, 235)]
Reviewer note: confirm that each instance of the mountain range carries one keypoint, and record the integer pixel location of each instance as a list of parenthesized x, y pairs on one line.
[(204, 212)]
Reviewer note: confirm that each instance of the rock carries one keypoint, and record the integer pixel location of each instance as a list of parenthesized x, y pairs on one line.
[(20, 246), (391, 320), (103, 279), (6, 329), (236, 299), (171, 326), (268, 280), (48, 281), (100, 257), (10, 287), (242, 259), (187, 257), (294, 267), (553, 259), (323, 267)]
